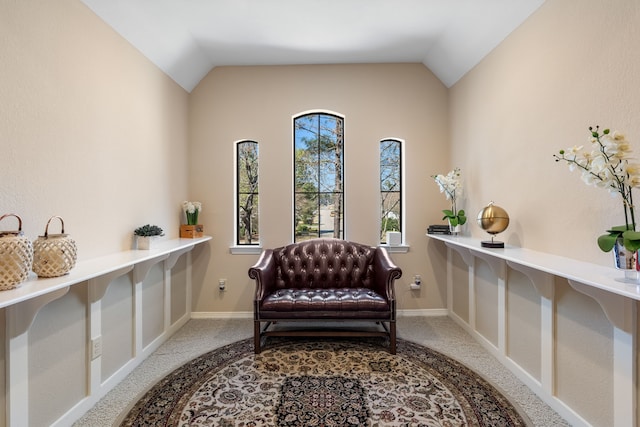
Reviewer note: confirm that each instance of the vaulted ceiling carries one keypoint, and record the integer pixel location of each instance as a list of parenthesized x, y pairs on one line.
[(187, 38)]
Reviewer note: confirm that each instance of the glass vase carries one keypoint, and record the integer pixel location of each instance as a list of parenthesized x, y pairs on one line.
[(626, 261), (454, 229)]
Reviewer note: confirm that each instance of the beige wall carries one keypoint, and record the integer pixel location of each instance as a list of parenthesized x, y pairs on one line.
[(569, 66), (89, 129), (378, 101)]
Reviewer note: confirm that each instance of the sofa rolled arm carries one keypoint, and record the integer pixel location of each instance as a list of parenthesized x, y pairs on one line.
[(264, 273), (386, 272)]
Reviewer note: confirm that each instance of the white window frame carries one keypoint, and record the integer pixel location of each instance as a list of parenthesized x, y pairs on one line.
[(236, 248), (403, 247), (344, 170)]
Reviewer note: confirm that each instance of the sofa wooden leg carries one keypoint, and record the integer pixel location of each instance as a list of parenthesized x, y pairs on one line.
[(392, 337), (256, 337)]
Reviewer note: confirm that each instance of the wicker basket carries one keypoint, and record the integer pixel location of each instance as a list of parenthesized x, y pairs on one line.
[(16, 256), (54, 254)]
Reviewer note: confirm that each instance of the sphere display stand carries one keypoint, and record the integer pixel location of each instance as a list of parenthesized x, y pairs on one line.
[(492, 243)]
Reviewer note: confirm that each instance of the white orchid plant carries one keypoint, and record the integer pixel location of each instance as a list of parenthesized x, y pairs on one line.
[(451, 185), (192, 210), (609, 165)]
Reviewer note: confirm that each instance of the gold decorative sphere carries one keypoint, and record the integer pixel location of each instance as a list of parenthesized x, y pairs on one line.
[(493, 219)]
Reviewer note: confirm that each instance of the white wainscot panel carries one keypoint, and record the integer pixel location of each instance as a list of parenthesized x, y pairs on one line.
[(179, 288), (524, 320), (57, 357), (153, 305), (486, 297), (459, 295), (117, 326), (584, 356)]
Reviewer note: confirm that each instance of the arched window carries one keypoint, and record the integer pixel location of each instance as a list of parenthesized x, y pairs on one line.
[(318, 176), (247, 201), (390, 187)]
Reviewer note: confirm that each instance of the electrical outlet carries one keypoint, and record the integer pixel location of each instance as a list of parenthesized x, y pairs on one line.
[(96, 347), (222, 284), (417, 281)]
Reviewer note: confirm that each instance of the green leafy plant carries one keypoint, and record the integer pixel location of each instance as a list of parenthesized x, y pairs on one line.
[(455, 218), (148, 230), (451, 185), (607, 165)]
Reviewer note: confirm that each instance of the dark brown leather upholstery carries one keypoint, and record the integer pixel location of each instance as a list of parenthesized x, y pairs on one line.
[(325, 279)]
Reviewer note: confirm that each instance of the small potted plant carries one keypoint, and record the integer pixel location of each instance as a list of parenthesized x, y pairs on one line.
[(146, 234), (451, 185), (191, 229)]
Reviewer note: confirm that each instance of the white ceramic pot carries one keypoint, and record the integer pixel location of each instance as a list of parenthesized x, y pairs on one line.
[(146, 242), (394, 238)]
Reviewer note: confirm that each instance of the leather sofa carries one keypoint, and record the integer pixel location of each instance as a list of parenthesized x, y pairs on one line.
[(309, 288)]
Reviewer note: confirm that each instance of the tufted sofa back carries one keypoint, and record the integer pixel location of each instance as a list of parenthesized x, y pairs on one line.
[(323, 264)]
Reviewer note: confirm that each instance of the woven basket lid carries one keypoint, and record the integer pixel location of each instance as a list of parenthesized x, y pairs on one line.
[(46, 229), (53, 236)]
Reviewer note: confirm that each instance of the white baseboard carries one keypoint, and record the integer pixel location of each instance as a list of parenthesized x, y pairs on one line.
[(423, 312), (222, 314), (249, 314)]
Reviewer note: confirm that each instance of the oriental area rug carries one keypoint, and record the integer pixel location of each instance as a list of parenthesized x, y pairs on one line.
[(324, 382)]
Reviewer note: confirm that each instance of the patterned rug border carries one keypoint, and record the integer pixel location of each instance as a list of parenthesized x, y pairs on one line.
[(502, 395), (184, 386), (146, 394)]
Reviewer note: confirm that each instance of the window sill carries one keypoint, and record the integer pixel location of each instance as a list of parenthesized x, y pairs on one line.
[(396, 249), (245, 250), (257, 250)]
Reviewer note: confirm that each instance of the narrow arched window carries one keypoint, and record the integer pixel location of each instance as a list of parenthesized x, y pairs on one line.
[(247, 200), (318, 176), (390, 187)]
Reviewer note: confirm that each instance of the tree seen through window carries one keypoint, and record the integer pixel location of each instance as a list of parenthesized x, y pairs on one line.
[(248, 200), (390, 187), (318, 181)]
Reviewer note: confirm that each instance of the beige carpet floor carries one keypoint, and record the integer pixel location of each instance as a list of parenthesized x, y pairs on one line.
[(200, 336)]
